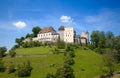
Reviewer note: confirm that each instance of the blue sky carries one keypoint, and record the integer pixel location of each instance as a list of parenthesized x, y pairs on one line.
[(18, 17)]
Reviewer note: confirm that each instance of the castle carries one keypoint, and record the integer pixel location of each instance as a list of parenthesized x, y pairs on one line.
[(67, 34)]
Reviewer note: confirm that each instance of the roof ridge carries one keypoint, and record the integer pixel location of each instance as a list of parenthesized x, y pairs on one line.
[(47, 29)]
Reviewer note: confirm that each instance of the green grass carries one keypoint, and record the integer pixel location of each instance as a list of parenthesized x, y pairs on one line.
[(35, 50), (87, 63), (41, 64)]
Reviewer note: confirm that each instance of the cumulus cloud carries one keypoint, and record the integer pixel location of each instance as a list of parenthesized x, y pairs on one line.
[(65, 19), (19, 24)]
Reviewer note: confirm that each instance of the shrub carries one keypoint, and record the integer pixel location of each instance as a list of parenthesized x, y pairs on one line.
[(65, 72), (105, 70), (91, 46), (12, 53), (76, 46), (60, 44), (72, 54), (69, 60), (55, 51), (24, 70), (2, 51), (99, 50), (11, 68), (84, 48), (2, 67), (50, 75), (69, 48)]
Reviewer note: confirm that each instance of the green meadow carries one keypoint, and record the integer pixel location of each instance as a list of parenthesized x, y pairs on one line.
[(87, 62)]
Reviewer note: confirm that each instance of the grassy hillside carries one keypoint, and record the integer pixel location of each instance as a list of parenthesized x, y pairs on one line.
[(35, 50), (86, 64)]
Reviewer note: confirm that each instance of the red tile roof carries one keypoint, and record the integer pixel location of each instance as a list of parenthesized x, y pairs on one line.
[(61, 28), (47, 29)]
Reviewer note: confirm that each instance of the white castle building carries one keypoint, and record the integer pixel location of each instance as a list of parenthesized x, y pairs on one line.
[(67, 34), (47, 34)]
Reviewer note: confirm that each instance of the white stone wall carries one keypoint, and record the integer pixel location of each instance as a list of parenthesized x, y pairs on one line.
[(54, 38), (45, 37), (61, 34), (69, 34), (35, 39)]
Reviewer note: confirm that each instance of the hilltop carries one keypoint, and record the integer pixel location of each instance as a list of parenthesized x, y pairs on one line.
[(87, 62)]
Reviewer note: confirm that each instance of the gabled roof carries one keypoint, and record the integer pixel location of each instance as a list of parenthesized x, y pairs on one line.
[(61, 28), (47, 29)]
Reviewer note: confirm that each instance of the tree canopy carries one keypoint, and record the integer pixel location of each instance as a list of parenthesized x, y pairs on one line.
[(2, 51), (36, 30)]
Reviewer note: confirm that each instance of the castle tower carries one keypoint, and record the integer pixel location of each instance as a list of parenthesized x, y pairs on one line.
[(66, 34), (83, 36)]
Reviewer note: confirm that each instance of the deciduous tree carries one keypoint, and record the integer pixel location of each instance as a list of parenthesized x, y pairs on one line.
[(36, 30)]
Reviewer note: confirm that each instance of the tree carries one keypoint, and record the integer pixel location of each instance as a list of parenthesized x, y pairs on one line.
[(109, 39), (98, 37), (24, 70), (36, 30), (109, 60), (69, 60), (102, 43), (95, 38), (116, 46), (29, 35), (69, 51), (50, 75), (65, 72), (109, 35), (2, 67), (69, 47), (72, 54), (12, 53), (11, 68), (19, 41), (60, 44), (101, 35), (2, 51), (91, 46)]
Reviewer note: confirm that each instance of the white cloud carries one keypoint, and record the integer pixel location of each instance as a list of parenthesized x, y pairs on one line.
[(65, 19), (19, 24)]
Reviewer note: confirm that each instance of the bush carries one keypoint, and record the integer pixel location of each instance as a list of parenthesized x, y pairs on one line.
[(11, 68), (2, 67), (65, 72), (50, 75), (91, 46), (31, 44), (76, 46), (84, 48), (60, 44), (105, 70), (69, 61), (2, 51), (69, 48), (72, 54), (99, 50), (55, 51), (12, 53), (24, 70)]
